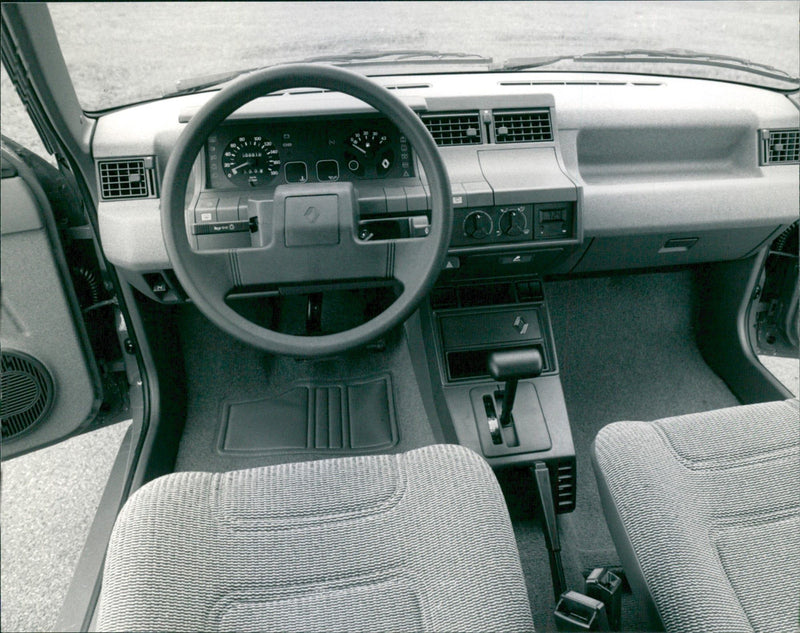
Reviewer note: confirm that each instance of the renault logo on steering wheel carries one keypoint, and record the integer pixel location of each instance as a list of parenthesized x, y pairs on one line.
[(311, 214)]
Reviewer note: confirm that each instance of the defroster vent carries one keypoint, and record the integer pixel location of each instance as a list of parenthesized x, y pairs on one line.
[(454, 129), (127, 178), (779, 147), (529, 126)]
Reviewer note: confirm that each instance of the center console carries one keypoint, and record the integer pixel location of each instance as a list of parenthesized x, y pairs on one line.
[(470, 325)]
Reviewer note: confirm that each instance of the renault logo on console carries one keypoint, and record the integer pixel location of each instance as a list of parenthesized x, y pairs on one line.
[(520, 325)]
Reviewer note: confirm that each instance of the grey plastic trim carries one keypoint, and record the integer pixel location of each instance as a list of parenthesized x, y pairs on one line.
[(130, 232), (524, 175), (686, 204), (426, 373), (15, 217)]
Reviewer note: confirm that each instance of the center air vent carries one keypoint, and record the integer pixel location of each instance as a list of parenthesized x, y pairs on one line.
[(530, 126), (124, 179), (780, 147), (454, 129)]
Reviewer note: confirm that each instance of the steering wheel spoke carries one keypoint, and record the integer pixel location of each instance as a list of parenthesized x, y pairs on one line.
[(409, 258), (219, 269)]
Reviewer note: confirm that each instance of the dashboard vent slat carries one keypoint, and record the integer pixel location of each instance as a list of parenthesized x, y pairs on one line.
[(127, 178), (529, 126), (563, 483), (780, 147), (454, 129), (408, 87)]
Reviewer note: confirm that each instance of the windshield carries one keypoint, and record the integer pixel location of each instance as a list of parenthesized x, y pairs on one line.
[(119, 53)]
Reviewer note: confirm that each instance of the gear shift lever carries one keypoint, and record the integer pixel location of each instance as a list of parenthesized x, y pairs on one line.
[(511, 367)]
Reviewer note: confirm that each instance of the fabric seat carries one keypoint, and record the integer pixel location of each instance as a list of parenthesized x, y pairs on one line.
[(411, 542), (705, 513)]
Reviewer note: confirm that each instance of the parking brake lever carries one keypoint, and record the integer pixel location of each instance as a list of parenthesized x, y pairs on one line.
[(510, 367)]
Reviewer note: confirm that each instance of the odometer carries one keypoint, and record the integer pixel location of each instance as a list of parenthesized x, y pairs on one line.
[(251, 160)]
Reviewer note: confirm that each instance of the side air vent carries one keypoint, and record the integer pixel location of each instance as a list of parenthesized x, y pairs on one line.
[(27, 389), (124, 179), (779, 147), (454, 129), (529, 126)]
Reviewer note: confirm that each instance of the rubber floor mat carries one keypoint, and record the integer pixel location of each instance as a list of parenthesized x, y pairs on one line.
[(341, 417)]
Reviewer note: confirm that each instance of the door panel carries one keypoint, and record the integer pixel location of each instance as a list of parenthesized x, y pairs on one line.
[(40, 326), (774, 312)]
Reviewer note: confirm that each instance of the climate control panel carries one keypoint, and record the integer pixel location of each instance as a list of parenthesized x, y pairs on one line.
[(513, 223)]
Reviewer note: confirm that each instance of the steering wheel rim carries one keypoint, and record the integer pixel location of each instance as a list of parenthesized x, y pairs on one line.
[(188, 264)]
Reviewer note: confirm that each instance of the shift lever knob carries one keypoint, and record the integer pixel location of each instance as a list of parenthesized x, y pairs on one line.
[(515, 364), (510, 367)]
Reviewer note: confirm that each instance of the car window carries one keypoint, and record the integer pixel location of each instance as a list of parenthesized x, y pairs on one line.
[(120, 53)]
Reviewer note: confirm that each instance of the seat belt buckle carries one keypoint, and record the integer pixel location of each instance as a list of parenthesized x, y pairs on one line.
[(604, 585), (577, 612)]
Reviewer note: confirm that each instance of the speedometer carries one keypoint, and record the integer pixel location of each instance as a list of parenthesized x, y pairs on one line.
[(251, 160)]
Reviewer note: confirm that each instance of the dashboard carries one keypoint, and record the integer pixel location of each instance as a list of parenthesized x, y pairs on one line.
[(553, 173)]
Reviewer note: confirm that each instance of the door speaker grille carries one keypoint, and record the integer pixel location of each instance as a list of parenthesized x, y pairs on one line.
[(26, 393)]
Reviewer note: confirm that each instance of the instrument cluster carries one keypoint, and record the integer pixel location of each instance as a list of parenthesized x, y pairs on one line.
[(271, 153)]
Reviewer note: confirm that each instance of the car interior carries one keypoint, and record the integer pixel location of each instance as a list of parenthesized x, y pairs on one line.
[(450, 350)]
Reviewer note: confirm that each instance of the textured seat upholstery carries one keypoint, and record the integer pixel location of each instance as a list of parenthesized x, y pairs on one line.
[(705, 512), (411, 542)]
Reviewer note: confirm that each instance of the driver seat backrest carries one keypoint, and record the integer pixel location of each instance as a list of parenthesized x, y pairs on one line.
[(412, 542), (704, 510)]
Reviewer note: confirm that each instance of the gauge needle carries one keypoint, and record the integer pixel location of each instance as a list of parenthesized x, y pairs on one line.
[(363, 151), (238, 167)]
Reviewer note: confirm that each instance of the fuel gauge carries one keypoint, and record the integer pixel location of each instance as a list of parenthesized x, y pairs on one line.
[(369, 152)]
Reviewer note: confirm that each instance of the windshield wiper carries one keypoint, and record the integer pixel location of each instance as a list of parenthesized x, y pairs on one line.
[(659, 57), (353, 58)]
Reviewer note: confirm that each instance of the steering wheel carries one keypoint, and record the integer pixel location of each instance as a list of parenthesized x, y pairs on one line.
[(309, 233)]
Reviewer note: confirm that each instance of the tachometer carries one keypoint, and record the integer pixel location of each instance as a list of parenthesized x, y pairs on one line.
[(251, 160), (369, 153)]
